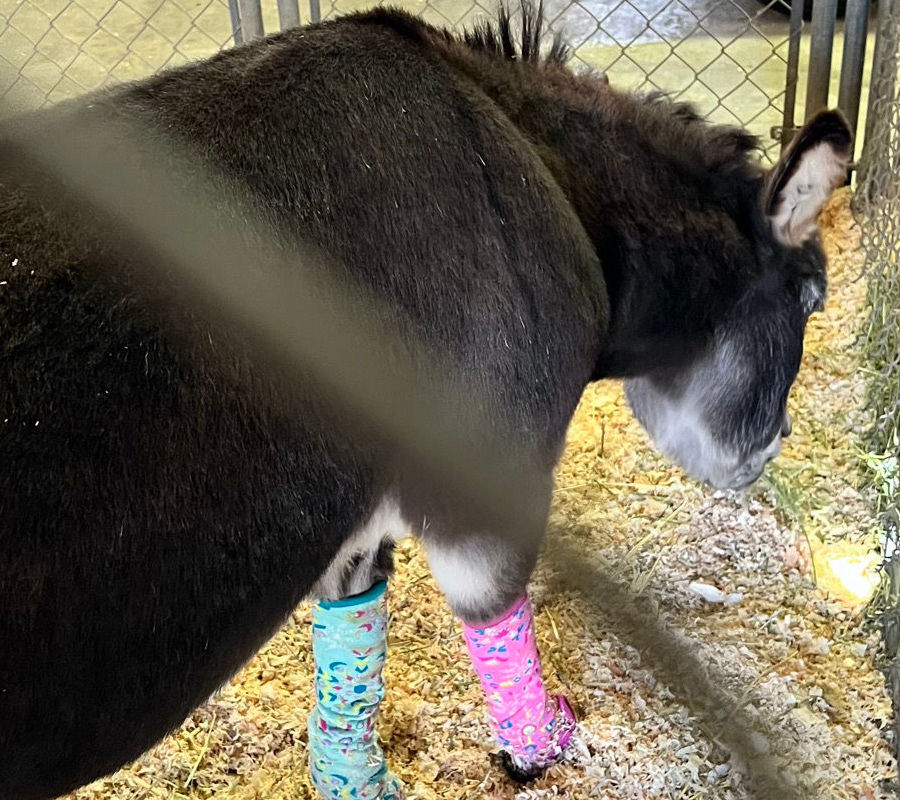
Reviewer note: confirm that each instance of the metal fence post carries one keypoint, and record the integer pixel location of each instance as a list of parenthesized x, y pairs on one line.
[(789, 124), (820, 47), (235, 13), (250, 13), (315, 11), (288, 14), (856, 22)]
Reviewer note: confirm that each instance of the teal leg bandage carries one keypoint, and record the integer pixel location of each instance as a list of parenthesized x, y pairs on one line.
[(349, 646)]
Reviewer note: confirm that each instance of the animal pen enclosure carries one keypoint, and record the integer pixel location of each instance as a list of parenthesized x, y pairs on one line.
[(738, 575)]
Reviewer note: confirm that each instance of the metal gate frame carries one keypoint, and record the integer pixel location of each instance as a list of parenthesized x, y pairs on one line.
[(247, 19), (819, 69)]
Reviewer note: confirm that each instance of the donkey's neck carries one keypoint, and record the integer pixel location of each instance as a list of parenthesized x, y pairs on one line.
[(668, 201)]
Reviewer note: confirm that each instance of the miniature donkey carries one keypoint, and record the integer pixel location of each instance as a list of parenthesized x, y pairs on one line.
[(533, 228)]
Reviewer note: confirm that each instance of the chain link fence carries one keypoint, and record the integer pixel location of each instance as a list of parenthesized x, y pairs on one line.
[(54, 49), (878, 200), (878, 208), (729, 57)]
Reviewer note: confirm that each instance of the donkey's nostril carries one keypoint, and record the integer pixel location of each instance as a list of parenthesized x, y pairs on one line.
[(786, 425)]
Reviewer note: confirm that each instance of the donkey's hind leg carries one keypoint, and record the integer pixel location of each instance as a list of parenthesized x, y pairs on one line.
[(349, 635), (349, 648), (485, 580)]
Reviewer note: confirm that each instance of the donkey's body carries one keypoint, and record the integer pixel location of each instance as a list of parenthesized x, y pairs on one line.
[(158, 519)]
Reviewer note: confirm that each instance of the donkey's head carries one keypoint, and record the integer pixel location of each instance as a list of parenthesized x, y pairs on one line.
[(722, 417)]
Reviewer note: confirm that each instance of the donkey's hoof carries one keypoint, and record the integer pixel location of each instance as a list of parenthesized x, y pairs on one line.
[(526, 768), (517, 773)]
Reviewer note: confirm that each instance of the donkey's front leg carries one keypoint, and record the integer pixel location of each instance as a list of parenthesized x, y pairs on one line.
[(485, 580)]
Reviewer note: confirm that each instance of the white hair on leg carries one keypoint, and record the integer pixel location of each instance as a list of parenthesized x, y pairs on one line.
[(353, 568)]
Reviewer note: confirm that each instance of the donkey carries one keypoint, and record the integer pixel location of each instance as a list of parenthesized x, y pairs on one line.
[(160, 511)]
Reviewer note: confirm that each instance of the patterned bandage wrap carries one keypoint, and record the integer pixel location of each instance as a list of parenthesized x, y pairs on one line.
[(349, 646), (531, 726)]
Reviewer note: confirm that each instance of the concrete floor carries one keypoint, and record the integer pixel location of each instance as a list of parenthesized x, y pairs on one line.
[(726, 56)]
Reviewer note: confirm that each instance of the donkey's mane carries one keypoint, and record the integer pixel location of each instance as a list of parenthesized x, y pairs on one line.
[(724, 146), (497, 38)]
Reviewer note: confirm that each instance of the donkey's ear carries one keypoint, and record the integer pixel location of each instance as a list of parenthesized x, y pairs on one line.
[(812, 167)]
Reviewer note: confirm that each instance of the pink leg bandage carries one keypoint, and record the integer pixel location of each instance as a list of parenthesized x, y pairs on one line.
[(533, 727)]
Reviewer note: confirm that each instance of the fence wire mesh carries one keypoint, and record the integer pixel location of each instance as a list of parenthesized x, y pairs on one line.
[(878, 207), (54, 49), (726, 56), (879, 202)]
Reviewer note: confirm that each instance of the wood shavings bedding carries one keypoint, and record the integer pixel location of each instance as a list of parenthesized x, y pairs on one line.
[(798, 656)]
